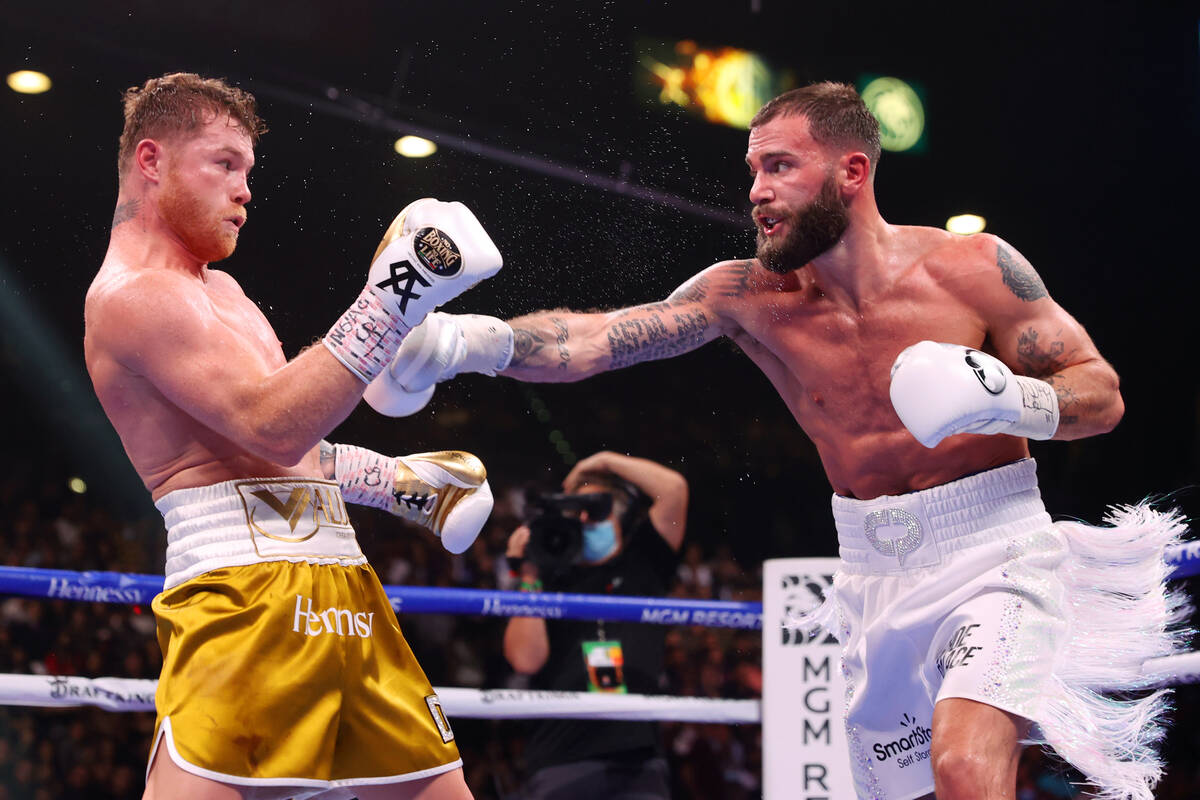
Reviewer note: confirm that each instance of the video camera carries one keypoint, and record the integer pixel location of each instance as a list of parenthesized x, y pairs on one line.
[(555, 539)]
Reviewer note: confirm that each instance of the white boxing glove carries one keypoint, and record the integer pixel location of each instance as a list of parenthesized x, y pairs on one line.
[(436, 350), (432, 252), (939, 390)]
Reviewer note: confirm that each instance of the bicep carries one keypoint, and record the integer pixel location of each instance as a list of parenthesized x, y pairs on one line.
[(1029, 331)]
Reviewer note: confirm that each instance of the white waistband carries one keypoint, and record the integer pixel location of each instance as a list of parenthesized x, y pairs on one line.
[(892, 534), (249, 521)]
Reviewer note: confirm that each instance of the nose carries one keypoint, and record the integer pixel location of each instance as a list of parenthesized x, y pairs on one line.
[(241, 192), (761, 191)]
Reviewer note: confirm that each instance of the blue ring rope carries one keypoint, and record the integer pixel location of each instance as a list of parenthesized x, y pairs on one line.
[(122, 587)]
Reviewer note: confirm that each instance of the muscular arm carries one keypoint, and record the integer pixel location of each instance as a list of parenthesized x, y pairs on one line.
[(166, 332), (562, 346), (1036, 337)]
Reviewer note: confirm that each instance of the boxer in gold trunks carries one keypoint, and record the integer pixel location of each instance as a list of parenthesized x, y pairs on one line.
[(285, 673)]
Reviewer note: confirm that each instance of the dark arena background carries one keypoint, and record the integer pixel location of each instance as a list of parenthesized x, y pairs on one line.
[(1071, 128)]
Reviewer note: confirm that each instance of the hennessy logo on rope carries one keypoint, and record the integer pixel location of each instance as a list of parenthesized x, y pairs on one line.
[(409, 276)]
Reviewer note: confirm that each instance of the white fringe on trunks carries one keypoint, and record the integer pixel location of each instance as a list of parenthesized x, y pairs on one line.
[(1121, 612)]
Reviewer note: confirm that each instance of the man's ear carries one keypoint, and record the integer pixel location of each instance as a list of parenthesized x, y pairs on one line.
[(147, 159), (855, 172)]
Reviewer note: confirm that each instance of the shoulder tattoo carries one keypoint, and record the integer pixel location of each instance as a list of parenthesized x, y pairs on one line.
[(694, 291), (1019, 275)]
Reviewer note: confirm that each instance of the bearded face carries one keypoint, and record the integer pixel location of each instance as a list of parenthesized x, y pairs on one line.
[(807, 232), (199, 223)]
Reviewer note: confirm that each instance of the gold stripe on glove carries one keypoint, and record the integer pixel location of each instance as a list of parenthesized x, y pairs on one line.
[(456, 475)]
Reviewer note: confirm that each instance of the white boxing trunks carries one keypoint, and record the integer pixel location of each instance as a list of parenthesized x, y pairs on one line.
[(969, 590)]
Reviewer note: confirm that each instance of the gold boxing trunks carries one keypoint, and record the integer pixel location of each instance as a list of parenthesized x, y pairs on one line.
[(286, 666)]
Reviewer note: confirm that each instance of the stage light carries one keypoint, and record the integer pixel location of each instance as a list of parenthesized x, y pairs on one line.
[(966, 223), (724, 84), (899, 111), (415, 147), (77, 485), (27, 81)]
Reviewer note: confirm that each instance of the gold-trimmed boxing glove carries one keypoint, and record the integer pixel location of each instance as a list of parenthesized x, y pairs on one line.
[(444, 491), (433, 251)]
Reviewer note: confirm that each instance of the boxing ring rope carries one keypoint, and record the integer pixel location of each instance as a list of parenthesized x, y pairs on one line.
[(124, 694)]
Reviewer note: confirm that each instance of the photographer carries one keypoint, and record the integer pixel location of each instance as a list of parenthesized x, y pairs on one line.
[(617, 531)]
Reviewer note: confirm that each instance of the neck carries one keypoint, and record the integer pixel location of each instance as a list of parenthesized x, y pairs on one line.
[(855, 270), (140, 237)]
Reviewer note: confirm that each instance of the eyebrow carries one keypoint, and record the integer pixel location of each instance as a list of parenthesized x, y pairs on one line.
[(236, 153), (773, 154)]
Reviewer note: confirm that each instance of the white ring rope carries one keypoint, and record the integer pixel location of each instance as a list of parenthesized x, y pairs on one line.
[(128, 694)]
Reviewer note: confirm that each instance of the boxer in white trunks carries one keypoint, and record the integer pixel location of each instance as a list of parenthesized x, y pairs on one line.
[(285, 673), (919, 362)]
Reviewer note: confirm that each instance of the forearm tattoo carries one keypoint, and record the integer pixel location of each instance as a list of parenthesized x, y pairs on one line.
[(643, 335), (1019, 275), (561, 336), (1067, 399), (1043, 360), (526, 345)]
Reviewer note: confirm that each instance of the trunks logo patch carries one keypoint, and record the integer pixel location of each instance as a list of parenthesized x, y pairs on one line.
[(292, 511), (906, 525), (437, 252)]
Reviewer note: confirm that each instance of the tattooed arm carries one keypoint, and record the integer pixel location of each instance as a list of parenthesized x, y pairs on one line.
[(561, 345), (1034, 336)]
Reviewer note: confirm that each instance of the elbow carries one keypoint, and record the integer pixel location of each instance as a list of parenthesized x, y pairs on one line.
[(1114, 409), (1113, 414), (282, 449), (679, 487), (290, 456)]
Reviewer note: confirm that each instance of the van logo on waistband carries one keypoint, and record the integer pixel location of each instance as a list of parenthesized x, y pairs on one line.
[(909, 540), (288, 512), (291, 510)]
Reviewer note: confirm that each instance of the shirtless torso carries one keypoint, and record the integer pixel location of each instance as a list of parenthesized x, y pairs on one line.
[(168, 446), (830, 360), (827, 332)]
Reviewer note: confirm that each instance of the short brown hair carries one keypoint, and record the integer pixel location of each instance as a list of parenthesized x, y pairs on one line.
[(181, 102), (836, 115)]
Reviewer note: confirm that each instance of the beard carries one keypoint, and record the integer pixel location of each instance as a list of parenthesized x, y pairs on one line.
[(199, 229), (810, 232)]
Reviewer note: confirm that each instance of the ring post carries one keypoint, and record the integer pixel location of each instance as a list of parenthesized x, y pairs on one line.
[(804, 737)]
